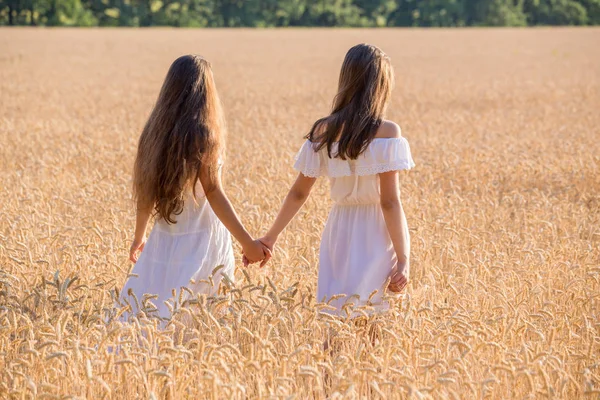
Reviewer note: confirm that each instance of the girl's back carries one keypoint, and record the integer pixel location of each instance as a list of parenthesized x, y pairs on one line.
[(356, 254), (192, 218), (355, 181)]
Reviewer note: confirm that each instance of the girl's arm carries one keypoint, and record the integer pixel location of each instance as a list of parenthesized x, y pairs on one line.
[(141, 224), (254, 250), (294, 200), (395, 221)]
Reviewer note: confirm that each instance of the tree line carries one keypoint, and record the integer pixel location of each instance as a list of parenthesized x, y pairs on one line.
[(282, 13)]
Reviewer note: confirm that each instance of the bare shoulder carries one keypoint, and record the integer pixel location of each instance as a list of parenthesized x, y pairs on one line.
[(388, 130)]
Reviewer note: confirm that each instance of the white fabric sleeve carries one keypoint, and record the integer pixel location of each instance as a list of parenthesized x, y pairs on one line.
[(309, 162), (385, 155)]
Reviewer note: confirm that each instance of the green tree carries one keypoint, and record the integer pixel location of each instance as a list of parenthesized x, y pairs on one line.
[(375, 12), (504, 13), (290, 12), (555, 12), (13, 10), (593, 11), (31, 9), (330, 13), (265, 13), (441, 13), (566, 12), (407, 13)]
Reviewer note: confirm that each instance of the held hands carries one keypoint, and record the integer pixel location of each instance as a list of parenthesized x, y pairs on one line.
[(267, 244), (256, 251), (398, 277), (137, 245)]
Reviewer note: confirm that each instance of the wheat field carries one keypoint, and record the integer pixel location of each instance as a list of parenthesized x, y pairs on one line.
[(503, 208)]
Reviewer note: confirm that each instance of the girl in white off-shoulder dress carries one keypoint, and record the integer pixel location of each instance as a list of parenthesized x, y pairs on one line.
[(366, 239)]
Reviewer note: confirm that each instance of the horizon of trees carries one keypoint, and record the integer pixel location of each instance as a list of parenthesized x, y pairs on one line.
[(309, 13)]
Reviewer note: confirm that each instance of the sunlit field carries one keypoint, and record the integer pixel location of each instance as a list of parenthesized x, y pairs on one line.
[(503, 208)]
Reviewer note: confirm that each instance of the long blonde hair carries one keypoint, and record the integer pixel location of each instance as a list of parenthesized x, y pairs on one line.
[(364, 90), (183, 133)]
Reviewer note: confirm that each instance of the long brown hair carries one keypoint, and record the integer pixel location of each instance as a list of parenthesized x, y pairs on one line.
[(364, 90), (184, 132)]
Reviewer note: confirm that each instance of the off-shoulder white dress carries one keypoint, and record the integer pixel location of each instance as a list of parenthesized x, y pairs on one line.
[(356, 253), (177, 254)]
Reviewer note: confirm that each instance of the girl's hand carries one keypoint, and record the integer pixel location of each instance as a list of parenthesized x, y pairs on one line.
[(137, 245), (268, 243), (398, 277), (256, 252)]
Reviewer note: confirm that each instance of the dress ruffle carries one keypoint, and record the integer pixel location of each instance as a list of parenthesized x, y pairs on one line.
[(382, 155)]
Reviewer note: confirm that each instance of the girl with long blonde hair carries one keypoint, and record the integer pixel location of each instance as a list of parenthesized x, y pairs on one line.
[(177, 177), (365, 241)]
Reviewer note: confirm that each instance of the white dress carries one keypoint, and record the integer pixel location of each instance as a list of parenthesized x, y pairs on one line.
[(176, 254), (356, 253)]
